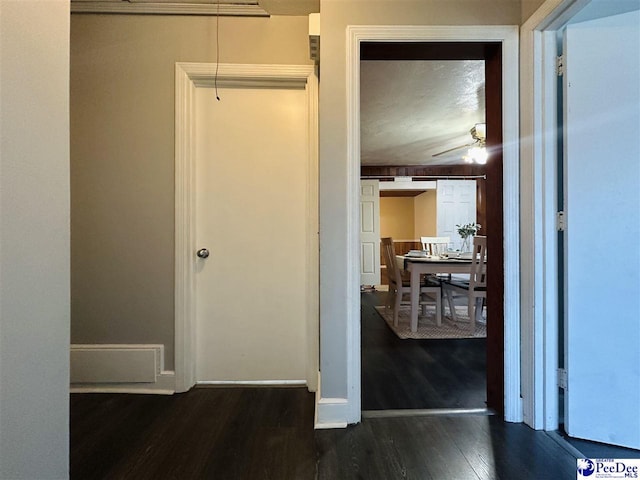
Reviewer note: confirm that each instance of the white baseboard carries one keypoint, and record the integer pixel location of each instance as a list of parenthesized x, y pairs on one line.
[(330, 412), (164, 385), (120, 368), (254, 383)]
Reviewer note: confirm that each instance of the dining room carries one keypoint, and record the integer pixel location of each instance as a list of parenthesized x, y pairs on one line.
[(430, 364), (416, 137)]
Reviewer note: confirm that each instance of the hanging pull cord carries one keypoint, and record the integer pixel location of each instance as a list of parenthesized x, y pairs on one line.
[(215, 78)]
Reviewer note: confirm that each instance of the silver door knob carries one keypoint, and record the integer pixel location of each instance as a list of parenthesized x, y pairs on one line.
[(203, 253)]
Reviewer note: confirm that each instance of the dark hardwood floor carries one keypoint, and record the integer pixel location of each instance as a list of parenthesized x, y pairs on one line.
[(267, 433), (442, 448), (418, 374), (206, 433)]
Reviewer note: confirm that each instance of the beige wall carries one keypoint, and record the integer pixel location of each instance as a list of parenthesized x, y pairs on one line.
[(528, 7), (34, 234), (335, 304), (122, 154), (122, 159), (397, 218), (408, 218), (425, 214)]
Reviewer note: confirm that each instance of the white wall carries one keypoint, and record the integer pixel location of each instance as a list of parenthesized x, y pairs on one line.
[(34, 239)]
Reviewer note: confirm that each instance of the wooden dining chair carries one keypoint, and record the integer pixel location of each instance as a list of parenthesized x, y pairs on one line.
[(475, 289), (435, 245), (400, 285)]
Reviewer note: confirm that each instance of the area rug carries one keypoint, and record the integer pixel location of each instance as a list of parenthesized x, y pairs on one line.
[(427, 328)]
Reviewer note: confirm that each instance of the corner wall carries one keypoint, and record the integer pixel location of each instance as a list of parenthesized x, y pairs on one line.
[(34, 239), (425, 214)]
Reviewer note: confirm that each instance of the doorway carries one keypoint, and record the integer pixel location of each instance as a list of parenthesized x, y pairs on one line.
[(491, 54), (333, 410)]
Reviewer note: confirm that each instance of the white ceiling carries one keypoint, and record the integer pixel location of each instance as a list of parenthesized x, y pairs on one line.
[(410, 110)]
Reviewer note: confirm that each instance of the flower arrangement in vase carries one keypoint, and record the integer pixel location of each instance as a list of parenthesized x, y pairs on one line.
[(467, 232)]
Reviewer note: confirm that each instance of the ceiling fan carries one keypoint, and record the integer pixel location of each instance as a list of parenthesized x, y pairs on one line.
[(477, 151)]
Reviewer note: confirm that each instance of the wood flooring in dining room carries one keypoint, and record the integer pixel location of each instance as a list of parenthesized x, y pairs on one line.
[(418, 374)]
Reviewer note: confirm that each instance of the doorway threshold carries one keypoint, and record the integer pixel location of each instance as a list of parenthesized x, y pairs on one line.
[(582, 448), (560, 440), (426, 412)]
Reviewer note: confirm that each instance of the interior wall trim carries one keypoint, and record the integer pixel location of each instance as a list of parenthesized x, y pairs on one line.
[(540, 322), (121, 368), (254, 383), (174, 8), (508, 36), (330, 412), (189, 77), (164, 385)]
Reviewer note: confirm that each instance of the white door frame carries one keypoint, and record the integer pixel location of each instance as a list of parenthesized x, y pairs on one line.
[(188, 77), (539, 136), (508, 36)]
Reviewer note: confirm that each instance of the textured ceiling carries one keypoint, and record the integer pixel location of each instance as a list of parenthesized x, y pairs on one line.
[(410, 110)]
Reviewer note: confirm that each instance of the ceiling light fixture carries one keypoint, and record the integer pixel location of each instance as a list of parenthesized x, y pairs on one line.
[(477, 155), (478, 152)]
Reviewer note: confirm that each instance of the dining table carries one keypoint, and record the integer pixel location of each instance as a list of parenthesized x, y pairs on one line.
[(430, 264)]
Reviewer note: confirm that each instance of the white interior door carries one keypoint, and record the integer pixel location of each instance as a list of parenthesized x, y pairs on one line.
[(455, 205), (369, 232), (252, 180), (602, 237)]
